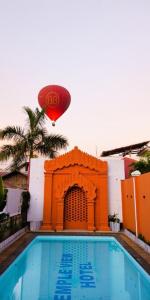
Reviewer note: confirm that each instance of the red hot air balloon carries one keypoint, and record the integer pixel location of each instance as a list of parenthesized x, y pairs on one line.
[(55, 100)]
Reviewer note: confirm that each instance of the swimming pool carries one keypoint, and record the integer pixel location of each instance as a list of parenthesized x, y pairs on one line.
[(74, 268)]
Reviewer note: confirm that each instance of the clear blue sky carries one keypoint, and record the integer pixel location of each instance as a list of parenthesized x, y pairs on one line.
[(98, 49)]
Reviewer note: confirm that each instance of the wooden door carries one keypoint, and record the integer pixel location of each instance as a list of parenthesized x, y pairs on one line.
[(75, 209)]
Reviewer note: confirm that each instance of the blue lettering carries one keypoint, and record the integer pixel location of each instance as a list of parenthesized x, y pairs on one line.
[(65, 271), (63, 265), (87, 267), (88, 284), (85, 271), (66, 276), (86, 277), (62, 282), (63, 290), (62, 297)]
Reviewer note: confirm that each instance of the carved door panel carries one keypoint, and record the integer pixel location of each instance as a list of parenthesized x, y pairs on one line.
[(75, 209)]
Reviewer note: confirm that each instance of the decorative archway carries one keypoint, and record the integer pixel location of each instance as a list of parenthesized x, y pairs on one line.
[(75, 168), (75, 209), (76, 180)]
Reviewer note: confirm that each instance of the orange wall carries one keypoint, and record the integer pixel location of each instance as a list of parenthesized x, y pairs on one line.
[(143, 205), (142, 187), (128, 204), (75, 168)]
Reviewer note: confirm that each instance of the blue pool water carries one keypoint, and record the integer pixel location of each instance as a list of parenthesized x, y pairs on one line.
[(75, 268)]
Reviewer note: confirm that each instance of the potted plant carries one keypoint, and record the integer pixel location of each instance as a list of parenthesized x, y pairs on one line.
[(114, 222)]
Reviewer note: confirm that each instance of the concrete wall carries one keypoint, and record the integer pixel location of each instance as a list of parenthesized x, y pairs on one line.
[(116, 173), (36, 188), (13, 206)]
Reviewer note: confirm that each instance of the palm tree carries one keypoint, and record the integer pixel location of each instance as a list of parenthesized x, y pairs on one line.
[(31, 141)]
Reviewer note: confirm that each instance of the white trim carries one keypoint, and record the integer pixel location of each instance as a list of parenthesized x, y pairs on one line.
[(143, 245), (11, 239), (135, 207)]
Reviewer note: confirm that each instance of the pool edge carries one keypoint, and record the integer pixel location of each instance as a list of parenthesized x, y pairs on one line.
[(12, 252)]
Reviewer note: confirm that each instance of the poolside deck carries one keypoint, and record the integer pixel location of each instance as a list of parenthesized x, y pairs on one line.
[(9, 254)]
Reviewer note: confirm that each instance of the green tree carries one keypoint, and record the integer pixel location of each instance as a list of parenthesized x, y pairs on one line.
[(143, 165), (31, 141), (2, 195)]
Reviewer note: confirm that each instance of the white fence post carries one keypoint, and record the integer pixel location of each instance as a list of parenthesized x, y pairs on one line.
[(134, 174)]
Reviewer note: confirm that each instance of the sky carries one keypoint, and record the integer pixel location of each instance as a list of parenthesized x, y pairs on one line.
[(98, 49)]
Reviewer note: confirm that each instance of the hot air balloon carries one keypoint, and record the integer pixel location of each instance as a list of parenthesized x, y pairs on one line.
[(55, 100)]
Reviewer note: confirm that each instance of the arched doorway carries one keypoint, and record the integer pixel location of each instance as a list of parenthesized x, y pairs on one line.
[(75, 209)]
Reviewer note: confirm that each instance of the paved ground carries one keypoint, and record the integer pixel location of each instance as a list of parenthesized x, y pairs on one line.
[(9, 254)]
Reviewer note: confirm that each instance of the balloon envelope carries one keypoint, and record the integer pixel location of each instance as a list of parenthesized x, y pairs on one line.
[(54, 99)]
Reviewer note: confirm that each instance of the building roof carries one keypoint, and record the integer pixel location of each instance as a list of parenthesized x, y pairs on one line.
[(4, 174), (76, 156), (131, 149)]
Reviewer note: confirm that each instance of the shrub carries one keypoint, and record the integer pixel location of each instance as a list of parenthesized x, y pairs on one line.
[(141, 237), (3, 195), (143, 165), (25, 201), (25, 205), (4, 216)]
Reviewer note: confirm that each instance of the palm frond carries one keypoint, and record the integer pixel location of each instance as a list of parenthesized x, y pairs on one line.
[(12, 132), (39, 117), (53, 153), (6, 152), (39, 134), (51, 144), (1, 134), (30, 117), (17, 163), (145, 155), (46, 151), (35, 118), (56, 141)]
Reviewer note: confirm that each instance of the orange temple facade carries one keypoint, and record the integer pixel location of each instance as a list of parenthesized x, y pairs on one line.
[(75, 193)]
